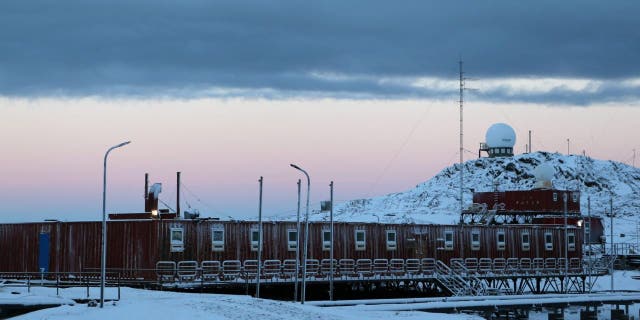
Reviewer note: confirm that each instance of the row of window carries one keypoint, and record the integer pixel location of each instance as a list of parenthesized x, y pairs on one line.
[(359, 240), (501, 244), (217, 240), (501, 150)]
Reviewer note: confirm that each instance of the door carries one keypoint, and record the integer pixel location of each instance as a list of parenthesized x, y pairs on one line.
[(43, 253)]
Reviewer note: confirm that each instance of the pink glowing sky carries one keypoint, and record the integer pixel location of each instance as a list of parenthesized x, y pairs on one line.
[(52, 148)]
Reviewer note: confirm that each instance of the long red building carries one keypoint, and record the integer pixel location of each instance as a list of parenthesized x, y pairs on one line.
[(140, 244)]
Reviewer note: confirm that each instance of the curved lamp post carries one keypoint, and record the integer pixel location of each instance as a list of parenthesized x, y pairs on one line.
[(306, 236), (103, 262)]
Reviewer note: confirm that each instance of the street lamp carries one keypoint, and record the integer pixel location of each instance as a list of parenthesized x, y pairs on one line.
[(295, 288), (103, 262), (566, 245), (306, 235)]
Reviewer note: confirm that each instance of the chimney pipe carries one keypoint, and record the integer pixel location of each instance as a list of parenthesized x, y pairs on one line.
[(146, 193), (530, 150), (178, 195), (146, 185)]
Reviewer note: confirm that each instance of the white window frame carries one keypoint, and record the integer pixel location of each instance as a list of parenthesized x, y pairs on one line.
[(475, 244), (574, 196), (448, 244), (326, 245), (360, 245), (391, 245), (501, 245), (555, 197), (217, 245), (254, 243), (177, 245), (571, 241), (292, 245), (548, 245), (526, 245)]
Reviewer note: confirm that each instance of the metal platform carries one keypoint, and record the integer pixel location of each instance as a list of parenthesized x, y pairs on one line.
[(363, 277), (424, 277)]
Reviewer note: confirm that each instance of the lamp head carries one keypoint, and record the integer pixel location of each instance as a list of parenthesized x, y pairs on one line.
[(123, 144), (294, 166)]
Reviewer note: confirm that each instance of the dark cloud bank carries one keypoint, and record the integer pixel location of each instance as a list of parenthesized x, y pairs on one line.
[(185, 48)]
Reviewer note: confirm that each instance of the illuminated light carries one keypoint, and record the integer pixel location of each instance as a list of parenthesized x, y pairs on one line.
[(580, 223), (154, 212)]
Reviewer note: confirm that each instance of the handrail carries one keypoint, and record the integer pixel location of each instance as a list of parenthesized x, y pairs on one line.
[(60, 279), (470, 276), (446, 274)]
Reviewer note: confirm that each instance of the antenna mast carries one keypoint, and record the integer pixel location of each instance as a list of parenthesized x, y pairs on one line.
[(461, 141)]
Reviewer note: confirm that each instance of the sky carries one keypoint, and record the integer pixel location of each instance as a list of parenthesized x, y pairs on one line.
[(363, 93)]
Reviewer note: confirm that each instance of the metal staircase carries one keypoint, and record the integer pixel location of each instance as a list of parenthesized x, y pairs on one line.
[(604, 263), (458, 280)]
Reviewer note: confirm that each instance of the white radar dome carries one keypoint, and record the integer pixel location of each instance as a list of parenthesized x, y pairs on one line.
[(544, 174), (500, 135)]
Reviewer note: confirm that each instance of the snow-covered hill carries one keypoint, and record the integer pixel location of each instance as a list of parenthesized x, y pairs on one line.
[(437, 200)]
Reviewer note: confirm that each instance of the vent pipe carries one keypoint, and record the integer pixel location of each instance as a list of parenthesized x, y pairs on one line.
[(146, 186), (178, 195)]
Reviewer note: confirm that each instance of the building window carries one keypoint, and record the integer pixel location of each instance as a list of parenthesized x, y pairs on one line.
[(571, 239), (360, 240), (587, 227), (475, 240), (574, 196), (555, 197), (548, 241), (177, 239), (526, 241), (326, 240), (501, 240), (217, 239), (255, 239), (392, 242), (292, 239), (448, 240)]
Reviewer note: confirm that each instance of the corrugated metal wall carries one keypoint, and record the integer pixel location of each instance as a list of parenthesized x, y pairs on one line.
[(139, 244), (541, 200)]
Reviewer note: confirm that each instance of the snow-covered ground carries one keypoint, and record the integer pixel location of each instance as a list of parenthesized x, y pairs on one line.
[(621, 281), (158, 305), (146, 304)]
